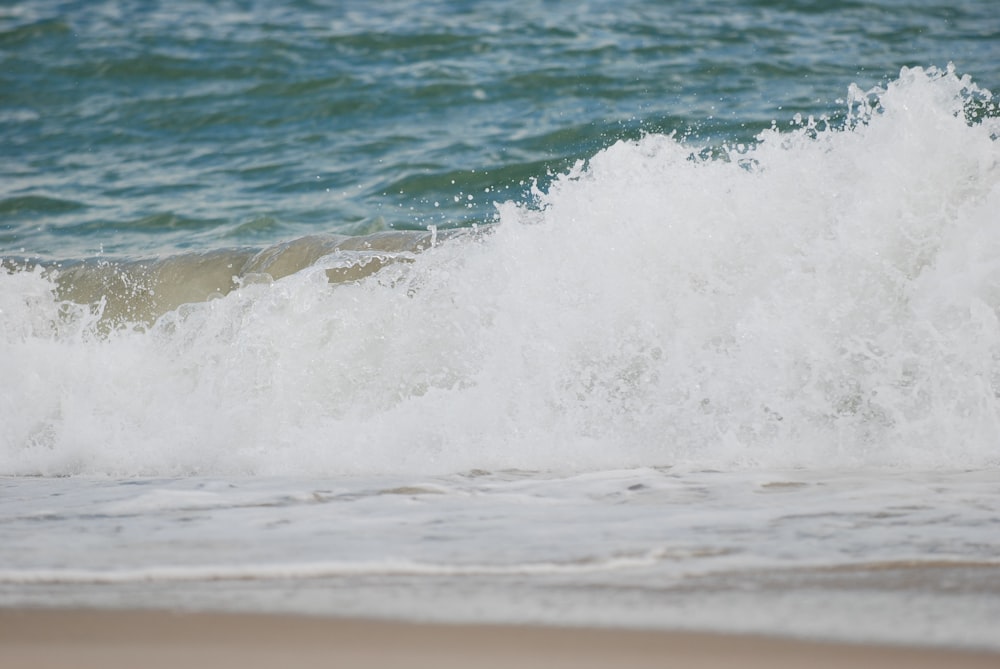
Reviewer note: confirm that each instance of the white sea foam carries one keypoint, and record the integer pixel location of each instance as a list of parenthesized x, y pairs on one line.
[(827, 297), (228, 572)]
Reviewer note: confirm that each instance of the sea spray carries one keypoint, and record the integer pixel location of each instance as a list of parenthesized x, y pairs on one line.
[(825, 297)]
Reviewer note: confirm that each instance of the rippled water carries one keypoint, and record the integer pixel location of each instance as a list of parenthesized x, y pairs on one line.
[(139, 128)]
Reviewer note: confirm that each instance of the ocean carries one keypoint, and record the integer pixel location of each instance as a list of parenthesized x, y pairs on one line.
[(647, 314)]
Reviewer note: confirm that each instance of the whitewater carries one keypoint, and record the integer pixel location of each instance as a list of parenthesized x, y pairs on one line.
[(824, 297)]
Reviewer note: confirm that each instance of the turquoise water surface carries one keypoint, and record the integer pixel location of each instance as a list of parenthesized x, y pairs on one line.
[(146, 128)]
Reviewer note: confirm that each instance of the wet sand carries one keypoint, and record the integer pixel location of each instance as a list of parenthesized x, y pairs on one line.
[(43, 638)]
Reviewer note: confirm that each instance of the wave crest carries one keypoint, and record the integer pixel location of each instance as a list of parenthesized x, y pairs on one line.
[(826, 297)]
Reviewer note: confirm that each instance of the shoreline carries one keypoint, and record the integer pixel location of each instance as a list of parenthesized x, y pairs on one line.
[(113, 639)]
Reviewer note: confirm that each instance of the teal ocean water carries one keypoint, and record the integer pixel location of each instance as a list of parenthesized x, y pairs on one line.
[(136, 128), (635, 313)]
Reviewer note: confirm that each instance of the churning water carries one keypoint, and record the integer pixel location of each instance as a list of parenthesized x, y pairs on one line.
[(594, 310)]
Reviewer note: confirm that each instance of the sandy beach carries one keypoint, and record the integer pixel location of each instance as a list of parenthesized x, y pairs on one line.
[(86, 638)]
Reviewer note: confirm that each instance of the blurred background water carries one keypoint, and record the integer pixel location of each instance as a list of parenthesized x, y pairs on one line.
[(144, 128)]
